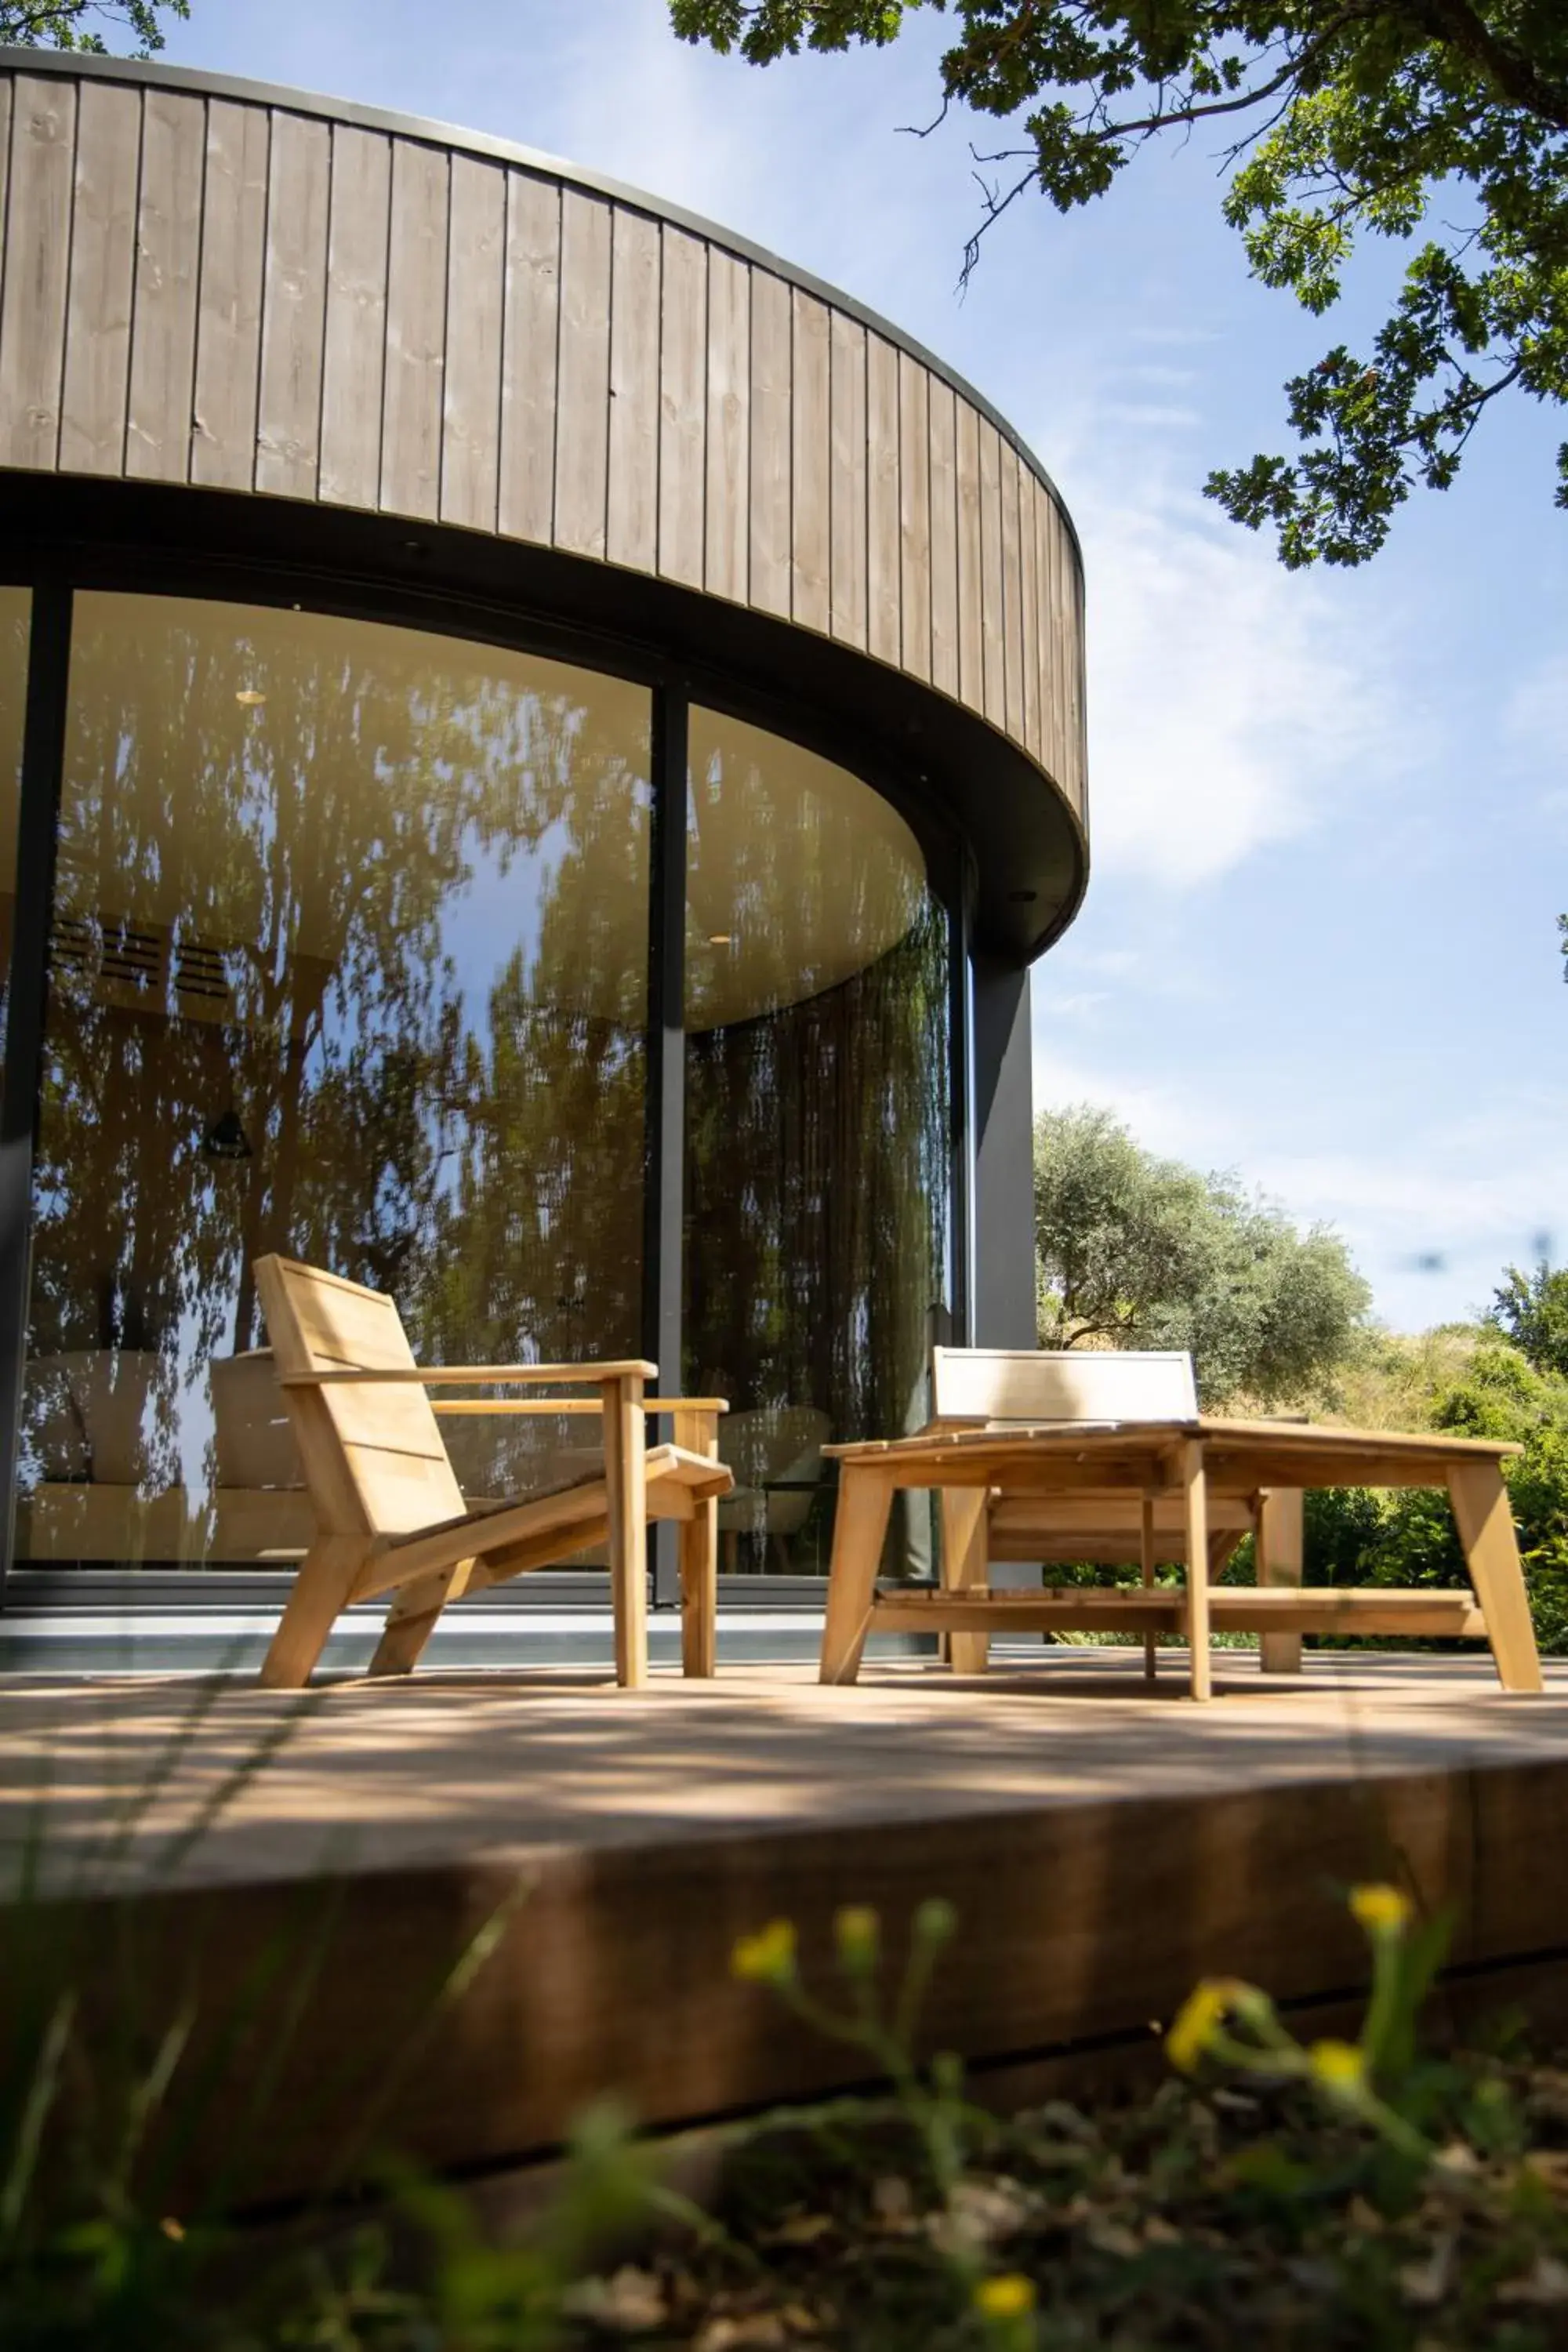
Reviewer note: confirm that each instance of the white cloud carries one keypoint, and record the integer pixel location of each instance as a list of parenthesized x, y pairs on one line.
[(1229, 704)]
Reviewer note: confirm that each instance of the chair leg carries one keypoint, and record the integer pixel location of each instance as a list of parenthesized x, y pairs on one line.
[(1196, 1482), (964, 1563), (698, 1433), (1491, 1553), (1281, 1551), (859, 1524), (1146, 1572), (322, 1589), (411, 1620), (625, 1484)]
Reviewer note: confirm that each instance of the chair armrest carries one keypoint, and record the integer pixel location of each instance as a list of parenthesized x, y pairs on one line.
[(711, 1407), (474, 1375)]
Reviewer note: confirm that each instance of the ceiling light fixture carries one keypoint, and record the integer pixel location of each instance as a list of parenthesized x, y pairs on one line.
[(718, 938), (251, 696)]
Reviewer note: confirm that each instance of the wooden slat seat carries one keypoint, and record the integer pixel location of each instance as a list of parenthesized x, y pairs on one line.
[(391, 1516)]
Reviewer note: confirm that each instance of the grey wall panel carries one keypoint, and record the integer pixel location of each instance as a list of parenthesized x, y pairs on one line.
[(202, 282)]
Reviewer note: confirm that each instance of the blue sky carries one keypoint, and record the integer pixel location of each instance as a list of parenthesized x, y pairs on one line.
[(1329, 810)]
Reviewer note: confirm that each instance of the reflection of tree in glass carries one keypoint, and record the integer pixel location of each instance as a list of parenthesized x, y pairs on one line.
[(817, 1193), (350, 857)]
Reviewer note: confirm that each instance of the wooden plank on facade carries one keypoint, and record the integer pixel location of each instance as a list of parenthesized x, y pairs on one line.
[(581, 425), (971, 662), (847, 487), (993, 701), (683, 408), (476, 302), (1028, 550), (37, 257), (229, 301), (1052, 734), (883, 571), (631, 530), (944, 537), (1079, 701), (293, 309), (1011, 596), (416, 331), (727, 502), (771, 371), (354, 361), (914, 506), (528, 357), (163, 322), (812, 463), (102, 277)]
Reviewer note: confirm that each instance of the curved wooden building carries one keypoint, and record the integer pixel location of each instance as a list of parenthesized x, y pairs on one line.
[(598, 714)]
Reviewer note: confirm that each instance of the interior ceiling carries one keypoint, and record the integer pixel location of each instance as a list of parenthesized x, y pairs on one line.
[(508, 790)]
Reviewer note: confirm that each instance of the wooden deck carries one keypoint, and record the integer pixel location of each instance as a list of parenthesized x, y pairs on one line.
[(1103, 1848)]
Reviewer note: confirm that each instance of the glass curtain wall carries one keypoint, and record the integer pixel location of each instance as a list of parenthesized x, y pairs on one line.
[(15, 622), (818, 1135), (349, 961)]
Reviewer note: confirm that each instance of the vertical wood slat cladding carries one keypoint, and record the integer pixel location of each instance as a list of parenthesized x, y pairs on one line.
[(470, 414), (811, 466), (583, 395), (354, 360), (971, 662), (771, 385), (36, 262), (1012, 596), (847, 489), (914, 515), (168, 252), (35, 297), (944, 605), (228, 299), (416, 331), (992, 641), (631, 534), (727, 502), (884, 630), (242, 295), (529, 344), (102, 275), (683, 409), (293, 306)]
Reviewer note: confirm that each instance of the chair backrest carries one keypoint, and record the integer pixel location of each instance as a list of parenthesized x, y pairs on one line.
[(1038, 1384), (373, 1454)]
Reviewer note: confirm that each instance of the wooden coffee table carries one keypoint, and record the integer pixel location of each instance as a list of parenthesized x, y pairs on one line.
[(1199, 1462)]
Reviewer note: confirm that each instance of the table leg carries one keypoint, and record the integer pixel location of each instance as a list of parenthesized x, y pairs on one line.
[(859, 1524), (1492, 1554), (1194, 1481), (963, 1564), (1281, 1551), (1146, 1564)]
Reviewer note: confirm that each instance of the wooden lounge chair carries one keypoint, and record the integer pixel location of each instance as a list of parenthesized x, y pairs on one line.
[(996, 1388), (390, 1516)]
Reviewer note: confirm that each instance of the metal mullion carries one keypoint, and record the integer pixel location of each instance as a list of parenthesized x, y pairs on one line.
[(960, 1027), (664, 1153), (37, 829)]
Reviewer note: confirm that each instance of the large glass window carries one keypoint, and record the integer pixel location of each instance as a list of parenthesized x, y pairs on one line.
[(348, 960), (818, 1130), (16, 617)]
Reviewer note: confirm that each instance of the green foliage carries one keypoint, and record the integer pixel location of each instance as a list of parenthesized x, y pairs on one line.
[(1136, 1251), (1533, 1310), (1435, 123), (73, 24)]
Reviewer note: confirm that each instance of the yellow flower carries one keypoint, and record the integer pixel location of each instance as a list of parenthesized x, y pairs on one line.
[(766, 1957), (1339, 2065), (172, 2229), (1381, 1910), (1201, 2015), (855, 1931), (1008, 2296)]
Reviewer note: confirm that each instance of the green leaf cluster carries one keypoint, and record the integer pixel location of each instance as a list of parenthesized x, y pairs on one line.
[(1132, 1251), (74, 23), (1440, 124)]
